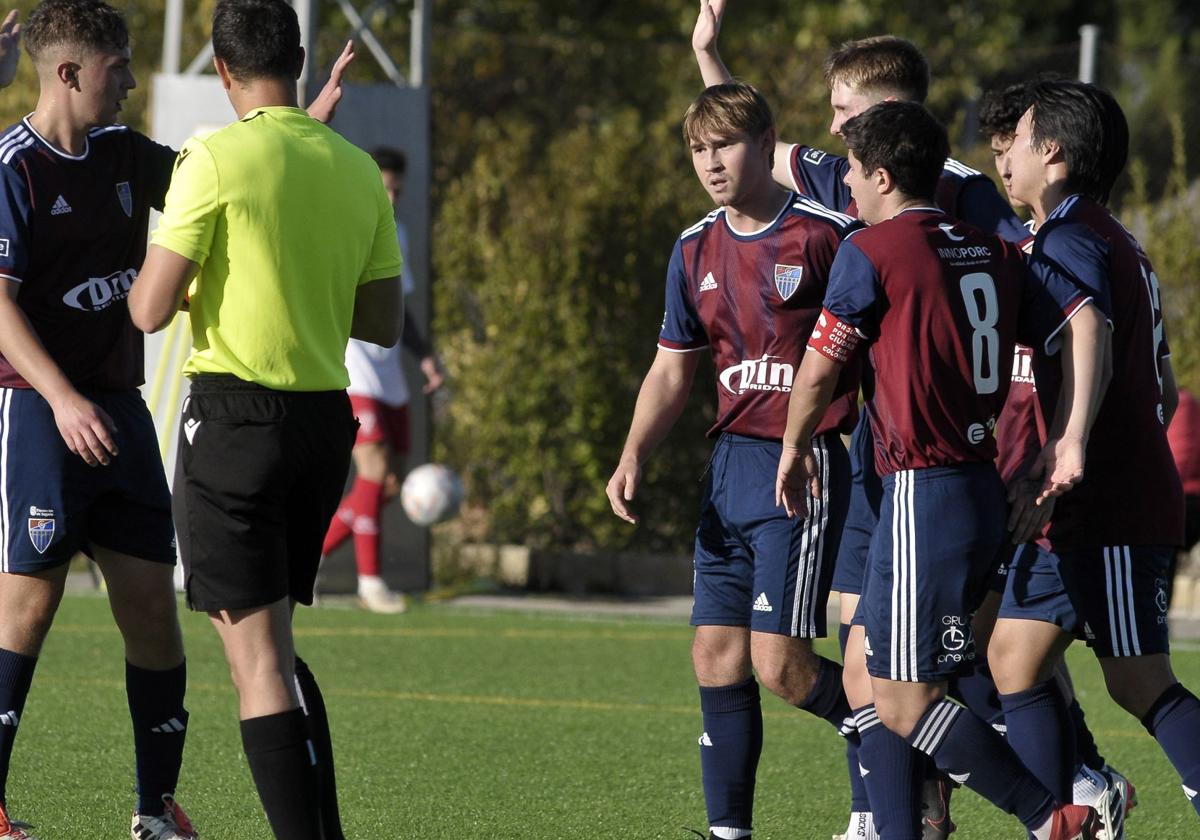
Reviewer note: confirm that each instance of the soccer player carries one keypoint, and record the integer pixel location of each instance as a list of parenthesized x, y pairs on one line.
[(939, 303), (1102, 572), (379, 396), (860, 74), (1020, 434), (285, 228), (745, 283)]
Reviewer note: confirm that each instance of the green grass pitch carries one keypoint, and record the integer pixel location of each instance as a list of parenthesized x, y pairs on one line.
[(466, 724)]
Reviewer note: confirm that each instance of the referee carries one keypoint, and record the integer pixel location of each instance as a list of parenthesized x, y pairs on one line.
[(284, 233)]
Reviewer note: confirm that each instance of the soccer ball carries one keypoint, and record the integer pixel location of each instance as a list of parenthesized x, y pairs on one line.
[(431, 493)]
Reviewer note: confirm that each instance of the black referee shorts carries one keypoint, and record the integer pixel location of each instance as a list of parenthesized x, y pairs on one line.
[(259, 475)]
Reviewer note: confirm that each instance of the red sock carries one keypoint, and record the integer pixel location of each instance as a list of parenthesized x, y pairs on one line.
[(367, 497), (339, 527)]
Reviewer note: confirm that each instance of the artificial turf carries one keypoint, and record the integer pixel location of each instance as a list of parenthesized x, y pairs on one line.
[(462, 723)]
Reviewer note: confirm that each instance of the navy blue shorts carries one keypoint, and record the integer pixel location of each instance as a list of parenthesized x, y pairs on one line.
[(866, 490), (1114, 597), (939, 531), (53, 505), (755, 567)]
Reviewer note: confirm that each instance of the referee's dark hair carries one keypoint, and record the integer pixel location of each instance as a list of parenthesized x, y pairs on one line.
[(86, 24), (903, 138), (257, 39), (1089, 126)]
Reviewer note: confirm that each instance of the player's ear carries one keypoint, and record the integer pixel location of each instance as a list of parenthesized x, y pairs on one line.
[(1052, 153), (223, 71), (883, 181), (68, 73)]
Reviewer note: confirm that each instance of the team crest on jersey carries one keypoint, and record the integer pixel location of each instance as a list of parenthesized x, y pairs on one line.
[(787, 279), (41, 528), (126, 197)]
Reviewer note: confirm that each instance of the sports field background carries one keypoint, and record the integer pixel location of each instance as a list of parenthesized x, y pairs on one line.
[(470, 724)]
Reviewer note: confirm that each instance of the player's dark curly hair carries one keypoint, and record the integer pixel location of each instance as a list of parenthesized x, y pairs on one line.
[(257, 39), (903, 138), (87, 24), (1089, 126), (884, 65), (1001, 109)]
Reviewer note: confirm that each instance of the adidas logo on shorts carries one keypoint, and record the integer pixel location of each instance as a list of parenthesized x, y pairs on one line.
[(761, 604)]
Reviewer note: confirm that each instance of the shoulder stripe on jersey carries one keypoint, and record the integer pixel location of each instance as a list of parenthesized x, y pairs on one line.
[(1064, 208), (10, 277), (12, 150), (18, 135), (105, 129), (703, 223), (960, 168), (807, 204), (793, 153)]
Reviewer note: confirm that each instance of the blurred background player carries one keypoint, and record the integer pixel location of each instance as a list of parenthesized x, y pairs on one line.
[(746, 283), (1183, 435), (379, 395), (291, 241)]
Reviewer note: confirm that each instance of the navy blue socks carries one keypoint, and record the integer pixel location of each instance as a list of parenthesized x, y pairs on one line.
[(1174, 721), (973, 754), (159, 730), (827, 698), (16, 675), (1041, 732), (893, 779), (729, 751)]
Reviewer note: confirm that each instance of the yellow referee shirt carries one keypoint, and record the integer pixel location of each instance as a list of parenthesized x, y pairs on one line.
[(286, 219)]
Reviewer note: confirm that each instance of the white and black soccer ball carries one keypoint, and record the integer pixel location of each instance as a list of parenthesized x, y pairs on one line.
[(431, 493)]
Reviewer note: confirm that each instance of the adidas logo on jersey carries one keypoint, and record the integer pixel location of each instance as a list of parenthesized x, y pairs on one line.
[(170, 727), (708, 283), (761, 604), (60, 207)]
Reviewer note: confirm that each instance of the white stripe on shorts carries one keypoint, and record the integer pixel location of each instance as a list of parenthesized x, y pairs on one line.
[(1118, 582), (812, 547), (6, 395), (904, 579)]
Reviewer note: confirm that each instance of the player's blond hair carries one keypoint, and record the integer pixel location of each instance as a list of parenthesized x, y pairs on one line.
[(884, 65), (723, 110)]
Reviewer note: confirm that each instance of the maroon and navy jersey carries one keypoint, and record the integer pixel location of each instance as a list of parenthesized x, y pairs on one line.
[(1021, 427), (73, 235), (942, 305), (1131, 492), (752, 299), (962, 192)]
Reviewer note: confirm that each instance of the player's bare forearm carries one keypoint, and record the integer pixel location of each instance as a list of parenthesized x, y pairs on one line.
[(812, 389), (661, 400), (1087, 368), (158, 292), (22, 348)]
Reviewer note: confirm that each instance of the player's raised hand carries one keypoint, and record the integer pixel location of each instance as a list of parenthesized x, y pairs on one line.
[(622, 487), (325, 105), (86, 428), (708, 25), (796, 480), (10, 47)]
